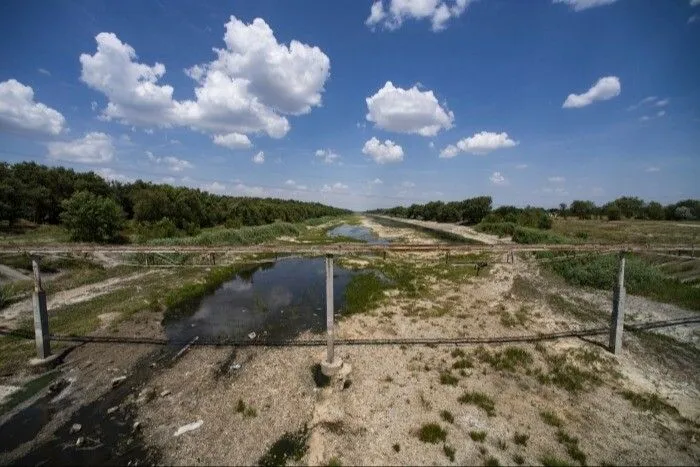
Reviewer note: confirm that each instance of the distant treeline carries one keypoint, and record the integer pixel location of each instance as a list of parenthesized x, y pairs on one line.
[(37, 193), (476, 210)]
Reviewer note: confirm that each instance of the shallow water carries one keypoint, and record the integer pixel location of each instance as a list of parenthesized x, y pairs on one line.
[(357, 232), (276, 300)]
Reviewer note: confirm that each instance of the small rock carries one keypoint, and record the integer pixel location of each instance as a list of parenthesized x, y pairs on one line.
[(117, 381), (75, 428), (189, 427), (136, 426), (111, 410), (165, 393), (252, 335), (236, 366), (79, 442)]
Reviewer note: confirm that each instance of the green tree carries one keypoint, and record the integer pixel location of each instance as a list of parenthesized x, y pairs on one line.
[(582, 209), (92, 218), (655, 211), (613, 212)]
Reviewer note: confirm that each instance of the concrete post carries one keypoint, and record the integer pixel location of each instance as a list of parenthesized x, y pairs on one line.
[(41, 316), (618, 312), (329, 307)]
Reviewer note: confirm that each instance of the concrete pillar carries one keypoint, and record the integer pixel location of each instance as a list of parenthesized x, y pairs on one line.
[(329, 307), (618, 312), (41, 316)]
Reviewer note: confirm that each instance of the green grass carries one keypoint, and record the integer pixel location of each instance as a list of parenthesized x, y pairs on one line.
[(463, 363), (480, 400), (649, 402), (491, 462), (396, 447), (568, 376), (549, 460), (446, 377), (519, 318), (641, 277), (570, 443), (33, 234), (449, 452), (478, 436), (290, 446), (447, 416), (432, 433), (524, 235), (518, 459), (551, 419), (509, 359), (363, 293), (334, 462), (521, 439), (241, 236), (28, 390), (628, 231)]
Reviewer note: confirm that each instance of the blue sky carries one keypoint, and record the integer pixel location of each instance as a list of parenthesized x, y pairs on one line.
[(361, 104)]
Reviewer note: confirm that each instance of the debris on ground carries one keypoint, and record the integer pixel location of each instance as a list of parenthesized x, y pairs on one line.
[(189, 427), (75, 428), (117, 381)]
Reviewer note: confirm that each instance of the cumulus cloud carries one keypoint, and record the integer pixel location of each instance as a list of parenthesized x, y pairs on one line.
[(92, 148), (408, 111), (556, 179), (498, 179), (337, 187), (381, 153), (249, 88), (295, 185), (214, 187), (604, 89), (113, 176), (19, 111), (480, 143), (580, 5), (377, 181), (259, 158), (233, 141), (439, 12), (328, 156), (172, 163)]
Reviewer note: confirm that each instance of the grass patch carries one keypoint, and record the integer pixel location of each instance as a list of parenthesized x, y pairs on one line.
[(446, 377), (334, 462), (549, 460), (519, 318), (458, 353), (570, 443), (247, 410), (463, 363), (524, 235), (551, 419), (447, 416), (242, 236), (290, 446), (578, 308), (396, 447), (432, 433), (28, 390), (320, 379), (480, 400), (521, 439), (568, 376), (478, 436), (363, 293), (649, 402), (518, 459), (491, 462), (509, 359), (449, 452)]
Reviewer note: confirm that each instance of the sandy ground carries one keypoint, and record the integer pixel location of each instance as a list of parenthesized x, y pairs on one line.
[(11, 316), (394, 390), (398, 234), (462, 230)]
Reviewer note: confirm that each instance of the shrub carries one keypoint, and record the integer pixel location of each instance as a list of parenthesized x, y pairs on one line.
[(479, 399), (432, 433), (92, 218)]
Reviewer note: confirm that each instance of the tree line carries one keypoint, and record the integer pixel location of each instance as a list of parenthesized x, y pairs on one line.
[(475, 210), (51, 195)]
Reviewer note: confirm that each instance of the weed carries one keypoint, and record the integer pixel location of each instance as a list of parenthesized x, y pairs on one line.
[(388, 379), (290, 446), (491, 462), (240, 406), (447, 416), (521, 439), (396, 447), (551, 419), (432, 433), (449, 452), (571, 445), (336, 427), (347, 383), (478, 436), (518, 459), (250, 412), (508, 360), (568, 376), (334, 462), (457, 353), (363, 293), (502, 445), (462, 363), (447, 378), (549, 460), (242, 236), (320, 379), (479, 399), (649, 402), (483, 451)]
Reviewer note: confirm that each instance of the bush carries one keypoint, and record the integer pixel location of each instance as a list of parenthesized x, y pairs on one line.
[(92, 218), (613, 212), (432, 433)]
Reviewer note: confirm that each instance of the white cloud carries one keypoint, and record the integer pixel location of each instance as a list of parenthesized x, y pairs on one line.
[(431, 145), (644, 118), (233, 141), (295, 185), (44, 71), (93, 105), (290, 182), (247, 190), (521, 166), (437, 11), (327, 155), (694, 2), (604, 89), (214, 187), (408, 184), (498, 179), (646, 100), (172, 163), (19, 112), (661, 113), (92, 148), (259, 158), (652, 169), (693, 18), (148, 131), (377, 181), (662, 103), (112, 176), (248, 88), (480, 143), (381, 153), (556, 179), (557, 191), (408, 111), (580, 5), (335, 188)]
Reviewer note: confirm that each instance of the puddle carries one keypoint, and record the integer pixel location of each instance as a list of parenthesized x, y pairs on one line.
[(276, 301), (357, 232)]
